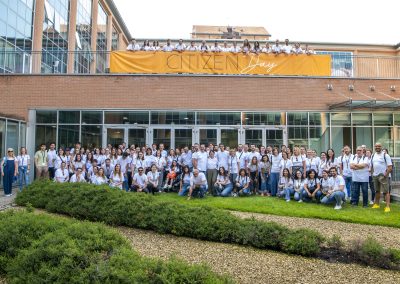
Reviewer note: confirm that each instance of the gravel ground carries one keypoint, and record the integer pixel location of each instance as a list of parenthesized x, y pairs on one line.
[(6, 202), (389, 237), (248, 265)]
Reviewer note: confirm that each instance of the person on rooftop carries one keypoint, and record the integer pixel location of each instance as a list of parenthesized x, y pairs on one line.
[(192, 47), (168, 47), (287, 48), (180, 46), (276, 49), (216, 47), (133, 46), (203, 47)]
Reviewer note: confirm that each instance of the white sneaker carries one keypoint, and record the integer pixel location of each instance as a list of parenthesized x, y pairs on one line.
[(338, 207), (287, 200), (300, 201), (371, 203)]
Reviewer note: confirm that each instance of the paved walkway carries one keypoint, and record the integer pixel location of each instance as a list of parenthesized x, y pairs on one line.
[(6, 202)]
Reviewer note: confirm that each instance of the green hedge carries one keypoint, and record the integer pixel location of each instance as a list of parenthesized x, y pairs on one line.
[(46, 249), (114, 207)]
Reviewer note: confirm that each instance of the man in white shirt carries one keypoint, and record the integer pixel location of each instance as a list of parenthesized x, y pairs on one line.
[(62, 174), (186, 158), (199, 159), (78, 176), (51, 159), (139, 181), (287, 48), (168, 47), (233, 165), (360, 177), (204, 47), (216, 47), (381, 167), (225, 48), (344, 164), (308, 50), (242, 157), (253, 153), (235, 48), (133, 46), (276, 49), (198, 184), (336, 190), (222, 157), (164, 153), (192, 47), (108, 168), (297, 49), (180, 46)]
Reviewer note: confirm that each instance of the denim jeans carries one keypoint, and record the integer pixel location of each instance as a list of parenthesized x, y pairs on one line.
[(274, 179), (227, 191), (233, 178), (264, 182), (355, 192), (185, 189), (199, 191), (23, 176), (306, 198), (244, 191), (336, 196), (52, 172), (372, 188), (288, 192), (348, 180)]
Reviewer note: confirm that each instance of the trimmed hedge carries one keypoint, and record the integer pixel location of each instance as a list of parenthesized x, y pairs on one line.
[(47, 249), (114, 207)]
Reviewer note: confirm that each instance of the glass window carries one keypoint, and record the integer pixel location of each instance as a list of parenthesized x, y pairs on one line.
[(383, 119), (46, 116), (101, 58), (384, 135), (91, 136), (298, 118), (340, 136), (254, 136), (45, 134), (2, 137), (69, 116), (218, 118), (362, 119), (397, 118), (229, 137), (115, 39), (208, 136), (125, 117), (162, 136), (137, 137), (115, 136), (362, 136), (341, 63), (274, 138), (92, 117), (298, 136), (172, 117), (319, 138), (83, 36), (183, 137), (12, 135), (259, 118), (319, 118), (68, 135), (340, 119), (22, 135)]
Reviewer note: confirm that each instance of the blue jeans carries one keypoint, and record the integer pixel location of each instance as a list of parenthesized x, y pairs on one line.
[(227, 191), (185, 189), (23, 176), (348, 180), (288, 192), (244, 191), (264, 182), (337, 197), (233, 178), (355, 193), (199, 191), (306, 198), (273, 183)]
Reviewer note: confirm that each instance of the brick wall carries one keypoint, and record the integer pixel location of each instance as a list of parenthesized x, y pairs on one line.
[(19, 93)]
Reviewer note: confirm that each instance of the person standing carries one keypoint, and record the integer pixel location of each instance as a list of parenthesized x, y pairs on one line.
[(24, 166), (9, 166), (360, 178), (344, 163), (51, 159), (212, 169), (381, 167), (41, 162)]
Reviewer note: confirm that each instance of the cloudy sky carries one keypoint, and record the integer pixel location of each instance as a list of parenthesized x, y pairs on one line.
[(344, 21)]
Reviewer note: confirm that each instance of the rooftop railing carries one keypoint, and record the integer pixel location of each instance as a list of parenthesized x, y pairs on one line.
[(343, 64)]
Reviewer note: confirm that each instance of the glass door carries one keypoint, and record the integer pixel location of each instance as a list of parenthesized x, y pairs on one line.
[(274, 138), (182, 138), (162, 135), (115, 136), (254, 137), (137, 136), (229, 137), (207, 136)]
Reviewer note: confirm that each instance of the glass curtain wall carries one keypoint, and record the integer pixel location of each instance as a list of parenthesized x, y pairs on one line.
[(83, 56), (16, 28), (101, 45)]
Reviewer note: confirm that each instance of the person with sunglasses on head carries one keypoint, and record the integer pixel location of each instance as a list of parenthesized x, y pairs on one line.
[(9, 171)]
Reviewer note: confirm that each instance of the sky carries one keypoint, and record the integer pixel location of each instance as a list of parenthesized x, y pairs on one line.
[(341, 21)]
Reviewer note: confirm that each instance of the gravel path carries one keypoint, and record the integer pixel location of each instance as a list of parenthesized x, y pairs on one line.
[(248, 265), (389, 237)]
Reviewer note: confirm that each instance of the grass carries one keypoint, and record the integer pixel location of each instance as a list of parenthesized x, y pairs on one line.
[(275, 206)]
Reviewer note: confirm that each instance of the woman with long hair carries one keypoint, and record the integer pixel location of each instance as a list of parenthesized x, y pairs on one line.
[(253, 170), (223, 186)]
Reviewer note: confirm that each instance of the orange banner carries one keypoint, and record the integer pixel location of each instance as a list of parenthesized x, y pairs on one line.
[(145, 62)]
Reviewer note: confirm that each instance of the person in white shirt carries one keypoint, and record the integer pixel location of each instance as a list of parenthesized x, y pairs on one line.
[(298, 185), (267, 48), (116, 177), (285, 163), (235, 48), (199, 159), (100, 177), (203, 47), (24, 166), (312, 163), (246, 48), (242, 184), (275, 160), (125, 161), (298, 162), (192, 47), (149, 159), (360, 177), (168, 47), (346, 171), (253, 153), (312, 187), (78, 176), (297, 49), (108, 168), (152, 178), (198, 184), (222, 156), (155, 46), (308, 50), (133, 46), (233, 165), (256, 48), (336, 190), (216, 47), (185, 181), (62, 174), (180, 46), (139, 181), (276, 49), (60, 158), (322, 165), (51, 159), (223, 186), (186, 158), (242, 157), (225, 48), (285, 186), (212, 169), (146, 46), (287, 48), (381, 167)]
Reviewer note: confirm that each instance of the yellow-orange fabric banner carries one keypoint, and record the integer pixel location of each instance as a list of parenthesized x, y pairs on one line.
[(145, 62)]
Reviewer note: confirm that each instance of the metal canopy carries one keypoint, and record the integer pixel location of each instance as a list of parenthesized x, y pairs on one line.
[(373, 104)]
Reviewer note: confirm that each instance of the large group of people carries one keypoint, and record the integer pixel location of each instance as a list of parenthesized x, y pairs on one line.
[(246, 47), (298, 174)]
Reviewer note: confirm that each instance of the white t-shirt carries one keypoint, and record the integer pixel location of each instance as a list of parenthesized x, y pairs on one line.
[(153, 177), (236, 49), (223, 159), (312, 163), (74, 178), (276, 48), (201, 158), (51, 156), (116, 179), (180, 47), (61, 175), (251, 155), (312, 183), (133, 47), (324, 185), (200, 179), (275, 163), (297, 50), (286, 182), (23, 160), (140, 179), (212, 163), (233, 164), (285, 164), (149, 160), (242, 180), (378, 163), (168, 48), (298, 184), (223, 179), (216, 48), (242, 157), (297, 161), (186, 159), (361, 175), (287, 49), (266, 50), (345, 161), (335, 183), (192, 48)]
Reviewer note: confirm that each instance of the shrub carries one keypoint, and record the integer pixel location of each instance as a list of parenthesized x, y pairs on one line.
[(44, 249), (335, 242), (116, 207)]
